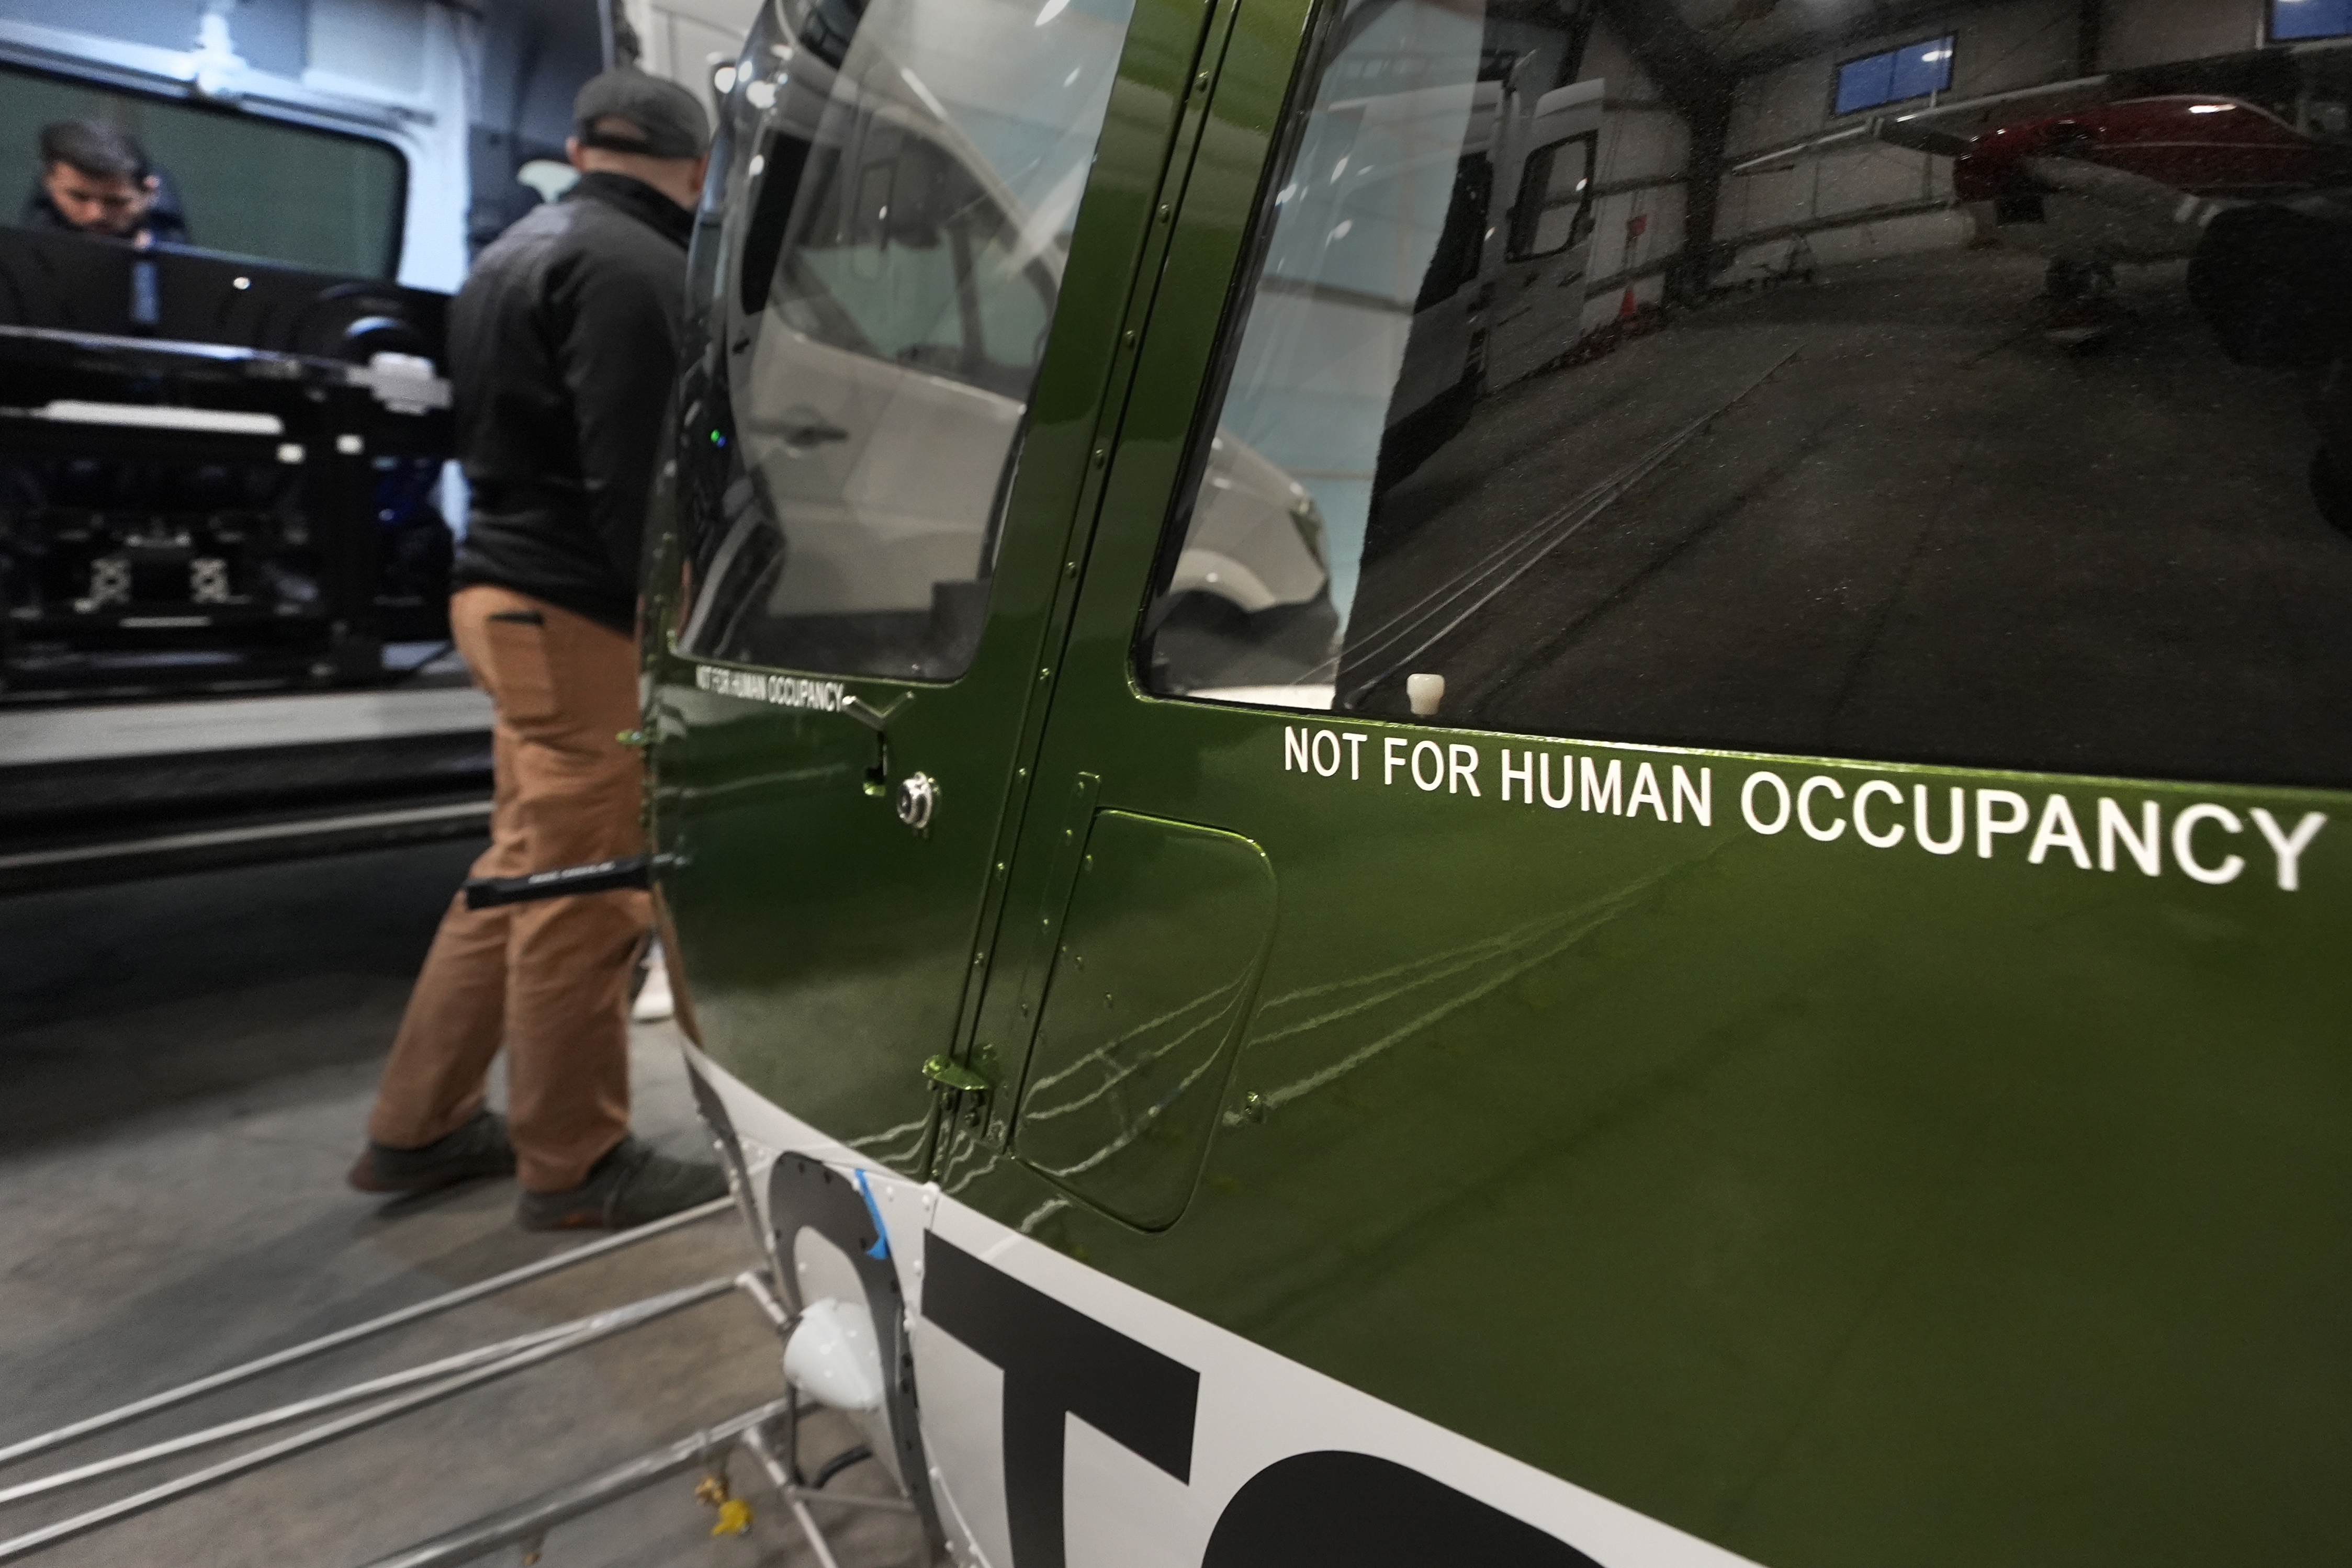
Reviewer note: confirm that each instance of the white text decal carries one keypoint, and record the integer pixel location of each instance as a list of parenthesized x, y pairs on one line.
[(784, 691), (2201, 841)]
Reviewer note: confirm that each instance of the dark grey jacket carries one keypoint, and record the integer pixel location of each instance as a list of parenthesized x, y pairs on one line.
[(562, 345)]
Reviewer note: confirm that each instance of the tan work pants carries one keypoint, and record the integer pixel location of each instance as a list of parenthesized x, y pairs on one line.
[(547, 980)]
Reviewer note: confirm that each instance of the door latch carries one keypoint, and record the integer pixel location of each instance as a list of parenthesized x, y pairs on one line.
[(876, 782), (954, 1077), (949, 1078)]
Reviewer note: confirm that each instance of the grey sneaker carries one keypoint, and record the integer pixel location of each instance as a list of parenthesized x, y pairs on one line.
[(478, 1149), (630, 1186)]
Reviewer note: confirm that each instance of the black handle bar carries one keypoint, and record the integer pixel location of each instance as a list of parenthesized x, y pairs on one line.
[(602, 876)]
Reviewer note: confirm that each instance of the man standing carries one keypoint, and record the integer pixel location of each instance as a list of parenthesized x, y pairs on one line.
[(563, 343), (96, 179)]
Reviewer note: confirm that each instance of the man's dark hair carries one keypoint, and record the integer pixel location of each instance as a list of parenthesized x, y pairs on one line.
[(100, 151)]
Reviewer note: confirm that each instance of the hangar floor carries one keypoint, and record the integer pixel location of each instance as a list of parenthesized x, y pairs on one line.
[(1883, 515), (184, 1064)]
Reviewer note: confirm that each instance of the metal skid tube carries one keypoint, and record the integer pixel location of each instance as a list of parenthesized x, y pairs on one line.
[(373, 1326), (777, 1472), (527, 1521), (280, 1415), (782, 1475), (588, 1329), (445, 1378)]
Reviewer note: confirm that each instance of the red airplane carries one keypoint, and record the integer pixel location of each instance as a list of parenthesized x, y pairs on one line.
[(2132, 166), (2241, 163)]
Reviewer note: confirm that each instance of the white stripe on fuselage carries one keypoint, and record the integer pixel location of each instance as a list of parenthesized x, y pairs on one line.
[(1255, 1407)]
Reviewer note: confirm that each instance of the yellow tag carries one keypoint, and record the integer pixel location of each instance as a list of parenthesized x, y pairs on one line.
[(734, 1517)]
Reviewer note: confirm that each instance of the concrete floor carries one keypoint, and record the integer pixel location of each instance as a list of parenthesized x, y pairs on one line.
[(184, 1064)]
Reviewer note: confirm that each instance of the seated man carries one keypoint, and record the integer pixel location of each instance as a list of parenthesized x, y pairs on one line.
[(96, 180)]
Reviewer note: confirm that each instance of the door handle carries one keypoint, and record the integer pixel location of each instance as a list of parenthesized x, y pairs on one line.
[(918, 798), (815, 433)]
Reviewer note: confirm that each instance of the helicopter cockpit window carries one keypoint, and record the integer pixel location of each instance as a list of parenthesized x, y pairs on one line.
[(907, 178), (2016, 431), (908, 259)]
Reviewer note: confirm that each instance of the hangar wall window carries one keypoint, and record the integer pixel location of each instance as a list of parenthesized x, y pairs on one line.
[(2310, 19), (899, 206), (1907, 512), (245, 184), (1914, 70)]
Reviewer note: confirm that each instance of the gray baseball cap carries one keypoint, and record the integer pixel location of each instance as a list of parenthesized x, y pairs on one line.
[(670, 116)]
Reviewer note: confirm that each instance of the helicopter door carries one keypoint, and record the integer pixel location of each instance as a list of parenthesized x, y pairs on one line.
[(836, 717)]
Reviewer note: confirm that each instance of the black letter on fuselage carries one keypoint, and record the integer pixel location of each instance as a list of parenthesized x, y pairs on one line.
[(1368, 1513), (1057, 1362)]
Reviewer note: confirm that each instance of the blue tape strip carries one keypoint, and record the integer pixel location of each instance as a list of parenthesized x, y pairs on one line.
[(881, 1247)]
